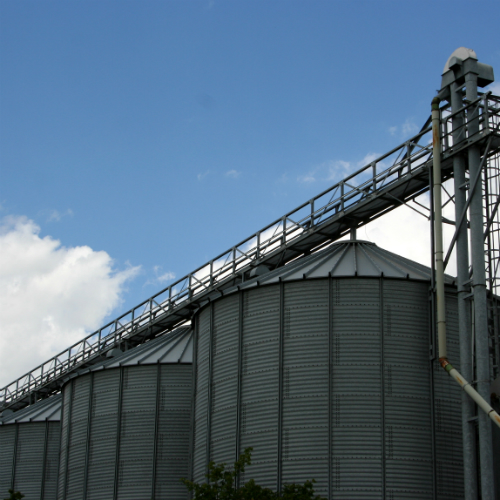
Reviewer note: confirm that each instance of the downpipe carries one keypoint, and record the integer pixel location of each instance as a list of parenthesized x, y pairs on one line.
[(438, 257)]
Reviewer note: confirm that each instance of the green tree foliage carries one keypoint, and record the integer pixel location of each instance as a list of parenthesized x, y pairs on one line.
[(14, 495), (222, 484)]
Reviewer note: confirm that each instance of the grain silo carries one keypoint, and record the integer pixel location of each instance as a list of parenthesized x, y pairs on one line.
[(125, 424), (324, 367), (29, 449)]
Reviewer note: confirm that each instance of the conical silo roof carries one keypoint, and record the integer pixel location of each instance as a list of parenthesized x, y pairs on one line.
[(173, 347), (347, 259), (46, 410)]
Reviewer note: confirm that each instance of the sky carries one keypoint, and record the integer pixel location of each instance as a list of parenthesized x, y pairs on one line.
[(140, 138)]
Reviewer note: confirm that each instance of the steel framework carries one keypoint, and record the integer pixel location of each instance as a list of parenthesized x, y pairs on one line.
[(396, 178)]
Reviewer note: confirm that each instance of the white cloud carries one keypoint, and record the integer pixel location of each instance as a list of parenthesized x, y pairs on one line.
[(203, 175), (51, 296), (234, 174), (406, 233)]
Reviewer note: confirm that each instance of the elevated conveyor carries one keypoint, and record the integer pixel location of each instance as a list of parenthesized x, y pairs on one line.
[(393, 179)]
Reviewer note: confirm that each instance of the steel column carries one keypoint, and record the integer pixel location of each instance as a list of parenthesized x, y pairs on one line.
[(480, 300), (464, 318)]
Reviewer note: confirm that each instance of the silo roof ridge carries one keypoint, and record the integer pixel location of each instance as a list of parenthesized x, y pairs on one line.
[(173, 347), (345, 259), (45, 410)]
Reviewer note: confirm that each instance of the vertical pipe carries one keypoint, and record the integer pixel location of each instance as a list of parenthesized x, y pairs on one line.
[(464, 319), (438, 231), (480, 304), (432, 340)]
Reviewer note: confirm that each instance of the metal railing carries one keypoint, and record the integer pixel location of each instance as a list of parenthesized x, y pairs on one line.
[(300, 224)]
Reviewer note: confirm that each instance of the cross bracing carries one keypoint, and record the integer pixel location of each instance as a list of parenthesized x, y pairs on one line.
[(397, 177)]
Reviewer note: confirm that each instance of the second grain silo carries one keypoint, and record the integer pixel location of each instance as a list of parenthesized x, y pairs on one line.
[(125, 424), (324, 367), (29, 449)]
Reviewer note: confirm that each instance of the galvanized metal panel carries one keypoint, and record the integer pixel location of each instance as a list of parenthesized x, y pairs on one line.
[(29, 459), (37, 448), (306, 383), (52, 460), (408, 404), (357, 477), (7, 443), (174, 428), (201, 395), (357, 425), (137, 431), (260, 376), (103, 434), (382, 412), (448, 419), (78, 437), (146, 425)]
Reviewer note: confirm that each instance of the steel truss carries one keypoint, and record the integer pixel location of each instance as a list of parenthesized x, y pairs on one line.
[(396, 178)]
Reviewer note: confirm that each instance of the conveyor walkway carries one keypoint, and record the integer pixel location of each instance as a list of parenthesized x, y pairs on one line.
[(396, 178)]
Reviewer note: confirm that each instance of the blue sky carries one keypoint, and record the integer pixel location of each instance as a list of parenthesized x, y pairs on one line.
[(160, 133)]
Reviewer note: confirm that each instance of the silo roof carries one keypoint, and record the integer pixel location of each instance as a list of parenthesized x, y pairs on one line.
[(46, 409), (347, 259), (173, 347)]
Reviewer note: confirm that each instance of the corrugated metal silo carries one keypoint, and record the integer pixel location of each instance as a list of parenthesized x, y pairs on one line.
[(29, 450), (126, 424), (323, 367)]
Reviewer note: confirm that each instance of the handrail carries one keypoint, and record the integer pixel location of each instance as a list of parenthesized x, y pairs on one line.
[(308, 218)]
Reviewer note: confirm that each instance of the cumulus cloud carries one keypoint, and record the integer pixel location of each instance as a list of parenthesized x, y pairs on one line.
[(51, 296), (407, 233)]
